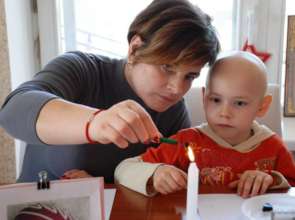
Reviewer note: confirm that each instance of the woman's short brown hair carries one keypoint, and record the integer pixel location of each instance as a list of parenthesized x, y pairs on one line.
[(174, 32)]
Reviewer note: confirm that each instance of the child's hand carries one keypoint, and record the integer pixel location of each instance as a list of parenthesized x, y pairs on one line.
[(168, 179), (75, 174), (252, 183)]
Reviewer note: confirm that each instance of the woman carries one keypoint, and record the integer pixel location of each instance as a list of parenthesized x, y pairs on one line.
[(58, 114)]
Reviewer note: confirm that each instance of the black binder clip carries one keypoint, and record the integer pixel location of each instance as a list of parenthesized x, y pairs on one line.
[(43, 182)]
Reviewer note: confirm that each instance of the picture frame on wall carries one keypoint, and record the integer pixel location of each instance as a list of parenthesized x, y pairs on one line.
[(65, 199), (289, 101)]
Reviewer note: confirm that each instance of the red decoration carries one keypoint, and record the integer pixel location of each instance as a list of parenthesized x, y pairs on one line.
[(252, 49)]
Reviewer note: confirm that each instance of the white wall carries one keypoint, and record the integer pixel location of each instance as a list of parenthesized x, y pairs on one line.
[(23, 50)]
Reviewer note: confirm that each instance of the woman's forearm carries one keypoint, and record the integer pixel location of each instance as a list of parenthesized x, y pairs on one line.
[(38, 117), (61, 122)]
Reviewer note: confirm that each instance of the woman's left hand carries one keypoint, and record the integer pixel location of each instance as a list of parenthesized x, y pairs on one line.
[(252, 183), (75, 174)]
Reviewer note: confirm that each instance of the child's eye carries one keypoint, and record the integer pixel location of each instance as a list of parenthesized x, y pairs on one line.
[(214, 99), (240, 103)]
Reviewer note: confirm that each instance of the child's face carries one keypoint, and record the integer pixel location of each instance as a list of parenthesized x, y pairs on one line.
[(161, 86), (232, 101)]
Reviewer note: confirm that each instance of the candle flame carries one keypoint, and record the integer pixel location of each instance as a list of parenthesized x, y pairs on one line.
[(190, 153)]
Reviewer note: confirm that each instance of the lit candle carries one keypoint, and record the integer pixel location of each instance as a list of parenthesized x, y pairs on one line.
[(192, 188)]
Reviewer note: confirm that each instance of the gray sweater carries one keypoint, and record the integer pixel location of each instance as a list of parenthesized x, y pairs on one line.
[(86, 79)]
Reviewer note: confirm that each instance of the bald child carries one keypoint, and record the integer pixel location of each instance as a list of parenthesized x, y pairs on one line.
[(231, 149)]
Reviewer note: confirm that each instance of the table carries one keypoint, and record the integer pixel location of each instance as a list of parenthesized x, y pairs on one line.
[(134, 206)]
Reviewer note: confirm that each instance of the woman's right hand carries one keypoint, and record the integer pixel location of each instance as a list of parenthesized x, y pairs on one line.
[(123, 123), (168, 179)]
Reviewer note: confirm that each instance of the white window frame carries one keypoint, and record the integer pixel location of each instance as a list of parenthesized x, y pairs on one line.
[(69, 25), (48, 30)]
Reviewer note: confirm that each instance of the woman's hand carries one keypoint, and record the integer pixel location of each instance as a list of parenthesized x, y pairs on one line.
[(75, 174), (123, 123), (252, 183), (169, 179)]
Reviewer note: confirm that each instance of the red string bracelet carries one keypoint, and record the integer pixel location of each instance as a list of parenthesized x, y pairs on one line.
[(90, 141)]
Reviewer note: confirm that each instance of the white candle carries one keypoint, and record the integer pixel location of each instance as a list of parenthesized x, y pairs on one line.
[(192, 188)]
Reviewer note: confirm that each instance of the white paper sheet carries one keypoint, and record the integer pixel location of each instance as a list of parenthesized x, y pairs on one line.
[(109, 196), (221, 206)]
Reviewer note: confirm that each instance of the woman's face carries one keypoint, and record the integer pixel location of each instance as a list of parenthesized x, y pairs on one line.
[(161, 86)]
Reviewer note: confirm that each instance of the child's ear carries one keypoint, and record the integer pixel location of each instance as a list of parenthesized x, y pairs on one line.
[(264, 106), (135, 43)]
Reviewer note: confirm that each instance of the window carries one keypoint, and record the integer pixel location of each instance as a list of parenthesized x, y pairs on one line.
[(97, 26), (101, 28)]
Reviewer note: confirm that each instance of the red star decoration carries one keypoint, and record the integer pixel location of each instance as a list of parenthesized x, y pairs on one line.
[(252, 49)]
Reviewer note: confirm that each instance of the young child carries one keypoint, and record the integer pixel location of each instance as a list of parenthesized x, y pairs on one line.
[(231, 149)]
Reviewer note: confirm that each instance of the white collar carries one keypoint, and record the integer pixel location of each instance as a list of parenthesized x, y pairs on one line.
[(261, 132)]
